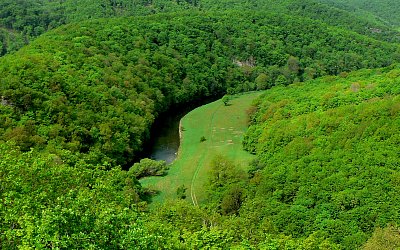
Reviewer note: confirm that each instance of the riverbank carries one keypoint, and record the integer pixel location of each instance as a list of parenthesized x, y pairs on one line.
[(222, 128)]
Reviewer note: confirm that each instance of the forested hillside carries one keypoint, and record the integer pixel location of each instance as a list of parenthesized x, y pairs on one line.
[(386, 10), (23, 21), (78, 101), (328, 156), (31, 18), (326, 174), (95, 88), (362, 22)]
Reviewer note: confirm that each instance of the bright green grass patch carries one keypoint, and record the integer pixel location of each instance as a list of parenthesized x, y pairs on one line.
[(223, 128)]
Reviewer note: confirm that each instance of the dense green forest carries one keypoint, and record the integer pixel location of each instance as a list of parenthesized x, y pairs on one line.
[(22, 21), (362, 22), (31, 18), (386, 10), (95, 88), (328, 155), (326, 176), (82, 82)]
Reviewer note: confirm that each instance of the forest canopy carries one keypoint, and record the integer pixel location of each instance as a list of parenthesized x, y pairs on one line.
[(328, 155), (386, 10), (82, 82), (23, 21), (96, 87)]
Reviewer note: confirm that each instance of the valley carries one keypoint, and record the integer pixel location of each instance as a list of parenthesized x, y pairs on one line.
[(222, 128), (285, 120)]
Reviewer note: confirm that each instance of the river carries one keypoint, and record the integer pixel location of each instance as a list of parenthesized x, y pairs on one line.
[(165, 140)]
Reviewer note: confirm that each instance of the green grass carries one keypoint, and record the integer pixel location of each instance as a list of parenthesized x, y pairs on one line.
[(223, 127)]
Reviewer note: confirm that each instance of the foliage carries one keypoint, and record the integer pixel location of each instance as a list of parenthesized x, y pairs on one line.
[(367, 19), (181, 192), (96, 87), (148, 167), (79, 101), (387, 10), (387, 238), (10, 41), (225, 99), (30, 18), (327, 156), (45, 202)]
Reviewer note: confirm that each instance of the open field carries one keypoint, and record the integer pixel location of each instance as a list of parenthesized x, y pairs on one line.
[(223, 128)]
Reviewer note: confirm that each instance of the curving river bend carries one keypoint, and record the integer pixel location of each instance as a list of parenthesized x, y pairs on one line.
[(165, 140)]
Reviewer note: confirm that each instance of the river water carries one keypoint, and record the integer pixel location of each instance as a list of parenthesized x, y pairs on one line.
[(165, 140)]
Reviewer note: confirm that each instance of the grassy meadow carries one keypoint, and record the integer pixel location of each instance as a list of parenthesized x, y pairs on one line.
[(222, 127)]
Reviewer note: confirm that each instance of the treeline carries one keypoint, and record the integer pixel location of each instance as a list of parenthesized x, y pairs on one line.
[(327, 157), (96, 87)]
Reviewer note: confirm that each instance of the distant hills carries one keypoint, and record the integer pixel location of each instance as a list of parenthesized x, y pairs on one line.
[(385, 10), (22, 21)]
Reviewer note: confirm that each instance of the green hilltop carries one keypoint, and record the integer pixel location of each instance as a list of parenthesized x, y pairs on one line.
[(23, 21)]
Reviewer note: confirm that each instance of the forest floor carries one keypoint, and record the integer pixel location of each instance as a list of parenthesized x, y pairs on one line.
[(223, 128)]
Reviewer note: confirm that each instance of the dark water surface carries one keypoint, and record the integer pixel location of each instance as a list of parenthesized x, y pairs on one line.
[(165, 140)]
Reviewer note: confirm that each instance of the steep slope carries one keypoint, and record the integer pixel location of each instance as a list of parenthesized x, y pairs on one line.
[(81, 99), (328, 156), (327, 174)]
